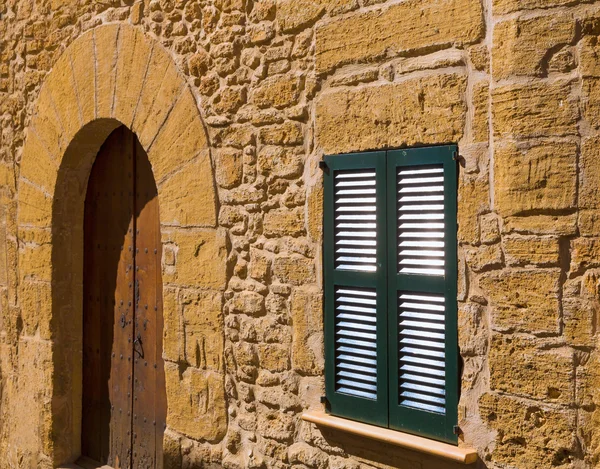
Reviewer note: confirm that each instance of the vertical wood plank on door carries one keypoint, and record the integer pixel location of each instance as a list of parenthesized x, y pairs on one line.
[(120, 383), (149, 405)]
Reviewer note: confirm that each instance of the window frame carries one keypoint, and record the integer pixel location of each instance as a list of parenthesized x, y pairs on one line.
[(385, 411)]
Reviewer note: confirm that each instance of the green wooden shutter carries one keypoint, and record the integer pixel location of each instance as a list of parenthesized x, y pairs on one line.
[(422, 275), (355, 274)]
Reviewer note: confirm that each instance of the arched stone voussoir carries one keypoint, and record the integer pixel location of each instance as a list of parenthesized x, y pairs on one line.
[(105, 42), (35, 255), (45, 123), (163, 86), (134, 51), (38, 166), (83, 61), (180, 139), (196, 206), (35, 207), (60, 85)]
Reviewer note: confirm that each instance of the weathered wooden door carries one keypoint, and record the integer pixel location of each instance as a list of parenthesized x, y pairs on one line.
[(124, 403)]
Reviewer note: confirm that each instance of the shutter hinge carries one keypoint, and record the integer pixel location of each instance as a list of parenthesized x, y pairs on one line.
[(326, 403), (323, 165), (456, 157), (456, 430)]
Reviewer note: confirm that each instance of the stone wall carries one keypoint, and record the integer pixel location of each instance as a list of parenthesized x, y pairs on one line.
[(280, 83)]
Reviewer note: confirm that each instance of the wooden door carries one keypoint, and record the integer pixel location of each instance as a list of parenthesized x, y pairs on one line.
[(124, 403)]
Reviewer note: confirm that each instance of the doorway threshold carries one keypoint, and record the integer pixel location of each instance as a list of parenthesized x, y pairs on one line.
[(85, 463)]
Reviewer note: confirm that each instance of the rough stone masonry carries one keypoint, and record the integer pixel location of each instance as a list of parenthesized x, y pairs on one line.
[(238, 101)]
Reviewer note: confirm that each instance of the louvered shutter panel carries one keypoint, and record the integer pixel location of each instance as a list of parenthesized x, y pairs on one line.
[(423, 350), (355, 273)]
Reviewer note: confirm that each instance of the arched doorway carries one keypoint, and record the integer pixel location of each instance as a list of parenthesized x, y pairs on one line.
[(124, 402), (74, 115)]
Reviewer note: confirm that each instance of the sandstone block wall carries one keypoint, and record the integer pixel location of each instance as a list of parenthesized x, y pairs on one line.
[(280, 83)]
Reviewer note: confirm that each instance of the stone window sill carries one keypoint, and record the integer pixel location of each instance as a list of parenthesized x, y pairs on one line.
[(393, 437)]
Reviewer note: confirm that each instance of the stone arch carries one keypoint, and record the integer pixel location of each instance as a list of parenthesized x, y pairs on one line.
[(114, 75)]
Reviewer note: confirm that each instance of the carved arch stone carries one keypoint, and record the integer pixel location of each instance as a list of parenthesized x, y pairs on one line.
[(114, 75)]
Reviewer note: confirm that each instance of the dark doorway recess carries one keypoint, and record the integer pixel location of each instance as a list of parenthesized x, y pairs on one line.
[(124, 402)]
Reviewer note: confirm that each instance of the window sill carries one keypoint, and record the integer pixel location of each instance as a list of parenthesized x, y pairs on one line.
[(393, 437)]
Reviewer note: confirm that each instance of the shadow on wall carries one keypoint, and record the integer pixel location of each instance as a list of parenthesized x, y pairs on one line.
[(67, 286)]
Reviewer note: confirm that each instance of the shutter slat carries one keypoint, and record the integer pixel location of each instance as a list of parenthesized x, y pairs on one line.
[(356, 368), (421, 198), (358, 351), (356, 200), (423, 370), (358, 208), (356, 216), (359, 174), (361, 335), (422, 361), (370, 226), (421, 216), (421, 234), (423, 324), (422, 396), (356, 183), (421, 315), (420, 172), (354, 359), (417, 253), (356, 317), (367, 268), (352, 307), (421, 343), (356, 242), (431, 262), (421, 334), (421, 208), (357, 376), (357, 393), (426, 407), (437, 391), (358, 234), (353, 190), (421, 351), (354, 383), (422, 379), (357, 300), (356, 342), (347, 325), (355, 224), (427, 244), (420, 189), (410, 270), (419, 180)]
